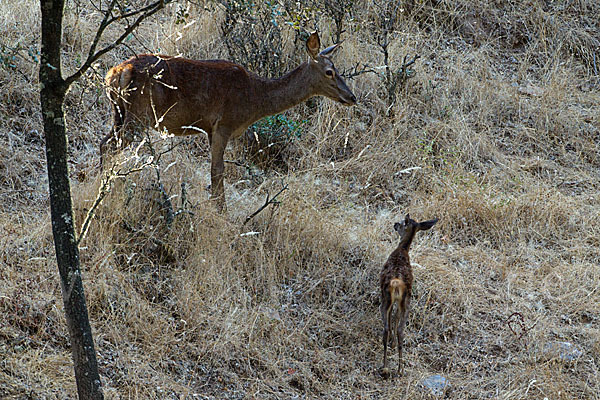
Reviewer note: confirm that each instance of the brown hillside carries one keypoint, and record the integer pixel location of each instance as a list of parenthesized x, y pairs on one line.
[(496, 132)]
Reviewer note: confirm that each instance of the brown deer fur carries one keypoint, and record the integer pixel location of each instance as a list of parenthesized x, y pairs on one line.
[(396, 282), (217, 97)]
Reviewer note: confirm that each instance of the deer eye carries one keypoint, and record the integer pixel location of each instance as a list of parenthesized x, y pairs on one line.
[(329, 73)]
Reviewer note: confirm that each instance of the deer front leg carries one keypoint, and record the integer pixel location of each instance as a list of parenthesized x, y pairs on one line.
[(217, 148)]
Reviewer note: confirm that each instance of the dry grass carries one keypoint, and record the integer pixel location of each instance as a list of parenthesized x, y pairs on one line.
[(502, 122)]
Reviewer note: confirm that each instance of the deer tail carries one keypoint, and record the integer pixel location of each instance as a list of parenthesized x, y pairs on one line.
[(397, 288)]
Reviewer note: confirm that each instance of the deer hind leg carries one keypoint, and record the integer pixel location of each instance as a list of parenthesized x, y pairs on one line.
[(107, 144), (386, 310), (119, 92), (393, 324), (403, 314), (120, 136), (122, 132)]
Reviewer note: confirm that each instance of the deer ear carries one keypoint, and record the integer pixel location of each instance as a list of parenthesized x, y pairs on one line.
[(330, 51), (423, 226), (313, 43)]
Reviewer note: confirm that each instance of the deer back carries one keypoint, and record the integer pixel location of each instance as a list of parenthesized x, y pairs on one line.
[(173, 92), (397, 266)]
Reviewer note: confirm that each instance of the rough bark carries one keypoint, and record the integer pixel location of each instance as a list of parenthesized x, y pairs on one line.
[(52, 94)]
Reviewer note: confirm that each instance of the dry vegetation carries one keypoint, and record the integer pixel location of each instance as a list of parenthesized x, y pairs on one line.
[(502, 119)]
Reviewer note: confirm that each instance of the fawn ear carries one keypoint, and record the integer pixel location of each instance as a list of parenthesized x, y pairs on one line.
[(397, 227), (425, 225), (313, 43)]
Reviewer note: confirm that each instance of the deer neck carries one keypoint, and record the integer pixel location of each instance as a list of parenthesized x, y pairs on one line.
[(285, 92), (406, 240)]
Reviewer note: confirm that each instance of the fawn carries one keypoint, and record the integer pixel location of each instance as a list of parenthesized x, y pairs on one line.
[(396, 281)]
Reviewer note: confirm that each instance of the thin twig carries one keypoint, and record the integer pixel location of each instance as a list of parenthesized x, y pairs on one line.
[(517, 319), (268, 201), (235, 162), (184, 201)]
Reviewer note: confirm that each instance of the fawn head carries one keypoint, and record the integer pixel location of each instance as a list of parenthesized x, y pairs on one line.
[(330, 83), (409, 227)]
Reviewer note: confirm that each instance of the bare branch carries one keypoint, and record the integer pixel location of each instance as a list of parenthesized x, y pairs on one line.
[(401, 76), (268, 201), (119, 173), (103, 25), (355, 71), (405, 65), (102, 192), (147, 11)]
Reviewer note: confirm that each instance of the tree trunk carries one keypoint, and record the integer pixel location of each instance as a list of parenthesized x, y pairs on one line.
[(52, 94)]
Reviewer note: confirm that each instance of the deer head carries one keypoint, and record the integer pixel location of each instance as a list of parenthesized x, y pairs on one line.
[(409, 227), (329, 81)]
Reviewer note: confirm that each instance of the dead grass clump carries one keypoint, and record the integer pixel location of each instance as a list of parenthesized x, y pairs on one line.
[(19, 173), (541, 217), (542, 29)]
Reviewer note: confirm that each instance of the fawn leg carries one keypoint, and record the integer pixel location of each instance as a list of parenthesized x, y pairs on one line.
[(400, 330), (386, 308)]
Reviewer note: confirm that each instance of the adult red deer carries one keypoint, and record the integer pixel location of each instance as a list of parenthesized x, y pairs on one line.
[(218, 97)]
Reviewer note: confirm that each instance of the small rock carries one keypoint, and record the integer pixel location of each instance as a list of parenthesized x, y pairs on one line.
[(564, 350), (271, 313), (436, 384)]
